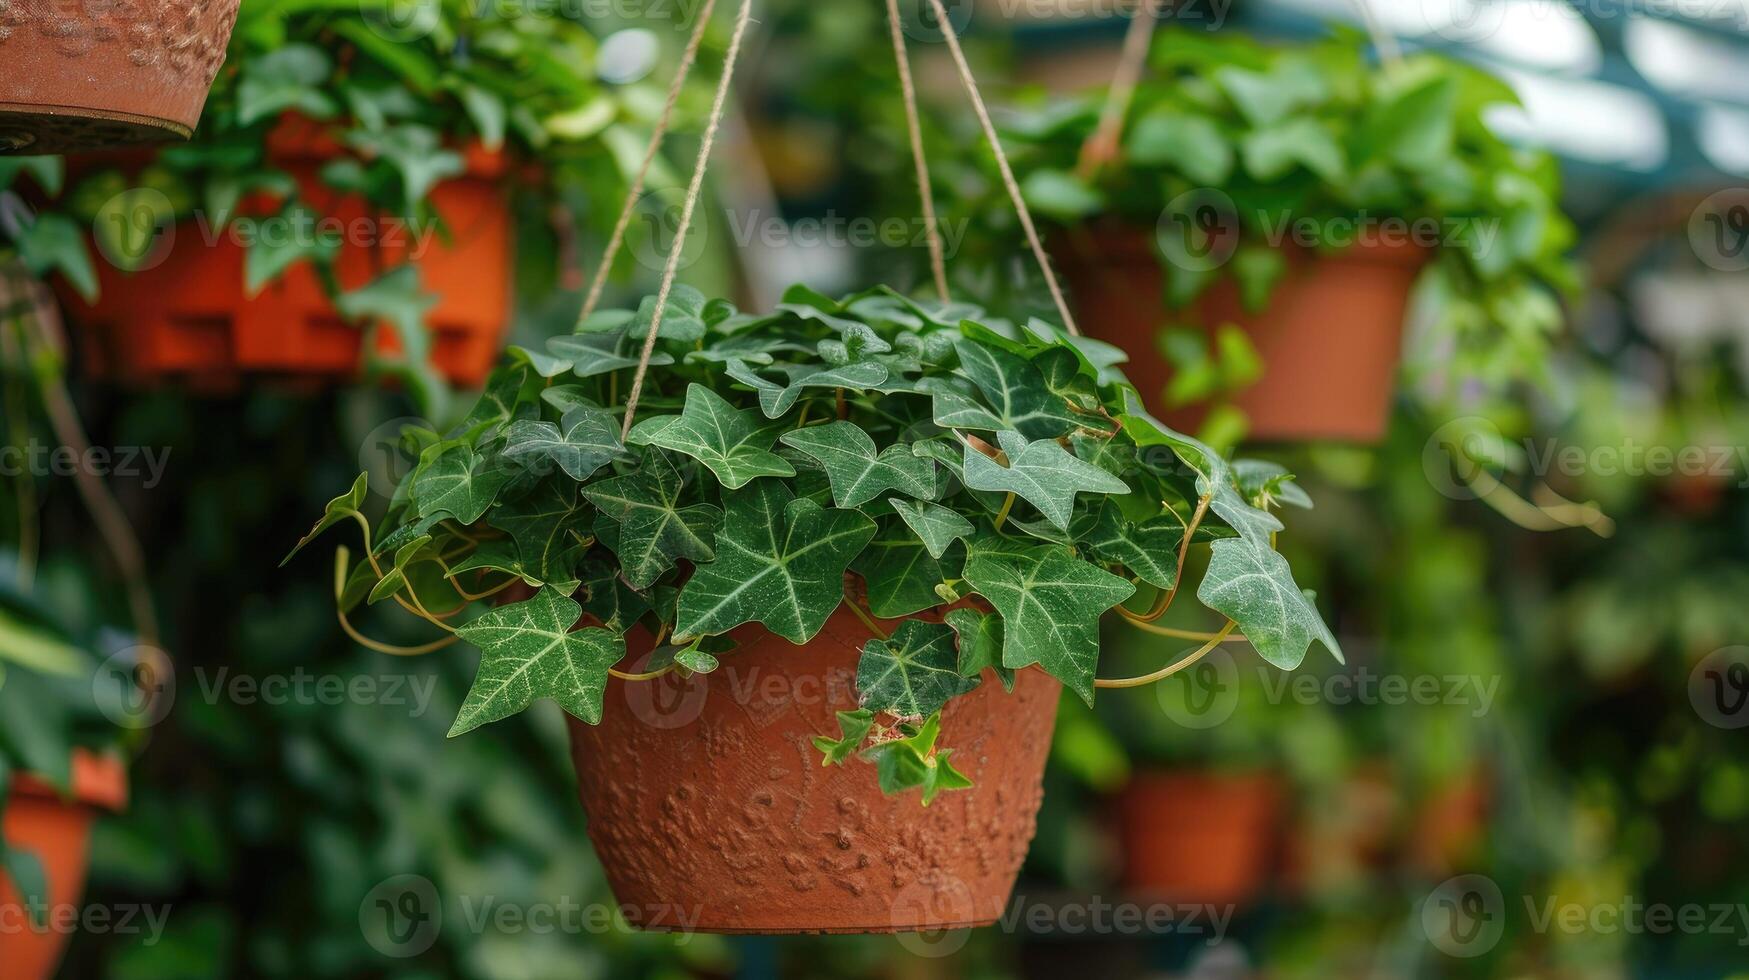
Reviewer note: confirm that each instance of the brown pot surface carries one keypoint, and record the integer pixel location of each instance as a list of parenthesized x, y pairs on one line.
[(95, 75), (711, 811), (58, 831), (1330, 340), (1199, 837)]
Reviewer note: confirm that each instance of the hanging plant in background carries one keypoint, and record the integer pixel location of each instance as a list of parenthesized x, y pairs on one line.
[(352, 171), (1279, 199)]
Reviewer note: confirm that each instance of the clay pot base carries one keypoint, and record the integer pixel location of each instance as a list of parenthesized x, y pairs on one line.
[(711, 811), (33, 130)]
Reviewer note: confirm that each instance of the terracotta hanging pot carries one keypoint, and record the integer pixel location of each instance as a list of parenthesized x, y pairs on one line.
[(1200, 837), (188, 315), (711, 811), (58, 831), (83, 76), (1330, 339)]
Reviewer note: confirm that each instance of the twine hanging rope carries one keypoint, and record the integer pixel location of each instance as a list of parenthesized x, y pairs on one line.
[(692, 195), (1101, 146), (1038, 249), (908, 88), (636, 190)]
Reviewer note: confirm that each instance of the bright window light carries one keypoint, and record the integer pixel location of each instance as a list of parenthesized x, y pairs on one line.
[(1683, 60), (1586, 120), (1724, 138)]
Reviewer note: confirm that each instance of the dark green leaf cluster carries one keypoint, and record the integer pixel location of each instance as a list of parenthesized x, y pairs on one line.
[(1307, 143), (940, 458)]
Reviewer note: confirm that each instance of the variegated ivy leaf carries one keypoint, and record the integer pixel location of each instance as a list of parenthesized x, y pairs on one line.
[(1149, 549), (913, 673), (549, 527), (780, 562), (585, 439), (1016, 392), (461, 483), (776, 399), (935, 525), (728, 440), (900, 573), (682, 317), (528, 651), (651, 527), (338, 509), (1254, 587), (1050, 602), (980, 644), (857, 471), (1041, 473)]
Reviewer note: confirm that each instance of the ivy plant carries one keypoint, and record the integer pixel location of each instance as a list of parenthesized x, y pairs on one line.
[(399, 97), (1305, 143), (995, 488)]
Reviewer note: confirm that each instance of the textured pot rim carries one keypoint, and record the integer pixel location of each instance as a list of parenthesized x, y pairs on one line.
[(99, 781)]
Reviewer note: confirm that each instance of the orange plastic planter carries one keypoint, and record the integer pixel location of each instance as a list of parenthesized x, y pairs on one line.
[(1329, 341), (189, 316), (711, 811), (1199, 837), (58, 831)]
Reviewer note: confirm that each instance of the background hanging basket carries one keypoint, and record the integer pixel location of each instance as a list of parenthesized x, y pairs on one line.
[(1200, 837), (82, 76), (190, 315), (1330, 339), (707, 800), (58, 832)]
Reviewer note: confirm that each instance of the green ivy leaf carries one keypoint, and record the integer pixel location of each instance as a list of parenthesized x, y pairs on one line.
[(780, 562), (1041, 473), (339, 509), (935, 525), (461, 483), (528, 651), (547, 526), (1255, 588), (980, 644), (1272, 153), (776, 399), (913, 762), (653, 528), (1149, 550), (1050, 603), (857, 472), (912, 674), (607, 597), (855, 726), (900, 573), (728, 440), (1190, 142), (585, 439), (1016, 392)]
